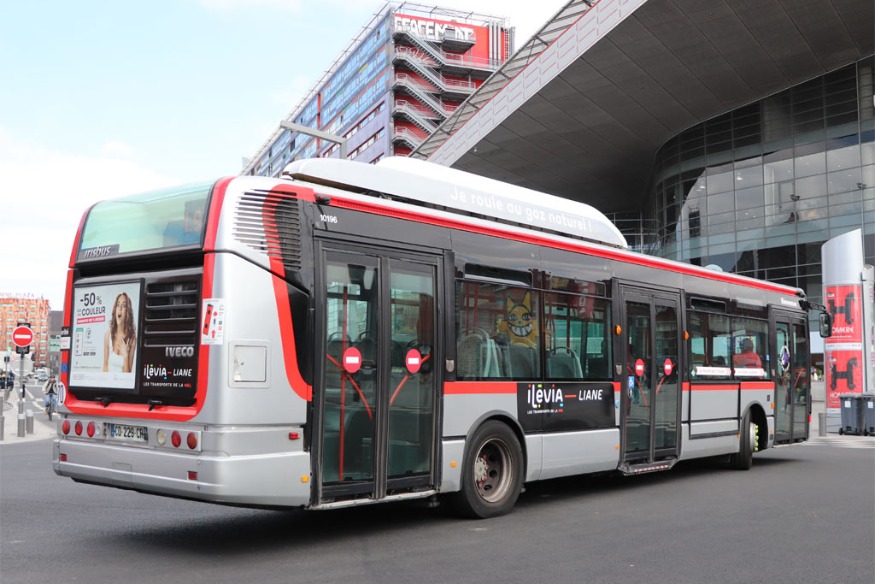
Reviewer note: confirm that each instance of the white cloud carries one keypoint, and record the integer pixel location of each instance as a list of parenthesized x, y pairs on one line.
[(116, 148), (44, 194)]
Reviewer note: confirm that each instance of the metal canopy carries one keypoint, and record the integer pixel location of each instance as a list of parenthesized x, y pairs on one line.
[(645, 71)]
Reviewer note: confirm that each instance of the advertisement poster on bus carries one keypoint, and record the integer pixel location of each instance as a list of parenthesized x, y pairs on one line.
[(104, 335)]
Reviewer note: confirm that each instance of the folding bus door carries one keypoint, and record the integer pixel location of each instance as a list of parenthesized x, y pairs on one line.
[(376, 396), (651, 393), (790, 362)]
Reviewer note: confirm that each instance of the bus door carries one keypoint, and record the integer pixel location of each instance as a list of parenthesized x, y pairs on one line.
[(790, 366), (376, 399), (648, 364)]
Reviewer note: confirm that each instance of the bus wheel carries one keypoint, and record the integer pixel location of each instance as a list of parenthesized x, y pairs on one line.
[(492, 472), (747, 445)]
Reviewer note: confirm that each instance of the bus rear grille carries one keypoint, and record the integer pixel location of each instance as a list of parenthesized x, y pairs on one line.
[(270, 223), (172, 312)]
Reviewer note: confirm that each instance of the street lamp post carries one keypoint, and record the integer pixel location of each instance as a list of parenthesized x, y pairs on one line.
[(317, 134)]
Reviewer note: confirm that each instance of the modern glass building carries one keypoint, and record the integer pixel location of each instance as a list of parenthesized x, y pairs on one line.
[(406, 72), (758, 190)]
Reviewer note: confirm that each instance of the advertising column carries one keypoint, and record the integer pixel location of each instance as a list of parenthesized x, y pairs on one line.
[(843, 294)]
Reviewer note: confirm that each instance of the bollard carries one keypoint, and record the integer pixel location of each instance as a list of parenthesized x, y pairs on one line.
[(21, 425), (28, 421), (821, 424), (2, 426)]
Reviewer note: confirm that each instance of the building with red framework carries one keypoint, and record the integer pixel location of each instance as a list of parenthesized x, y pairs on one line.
[(406, 72)]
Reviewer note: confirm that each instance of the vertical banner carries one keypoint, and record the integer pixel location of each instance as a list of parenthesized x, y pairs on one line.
[(843, 295)]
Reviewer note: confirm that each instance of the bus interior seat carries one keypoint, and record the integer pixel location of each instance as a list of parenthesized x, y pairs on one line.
[(597, 368), (477, 355), (563, 363), (523, 361)]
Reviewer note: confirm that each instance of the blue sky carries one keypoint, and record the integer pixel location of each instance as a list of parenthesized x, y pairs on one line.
[(102, 98)]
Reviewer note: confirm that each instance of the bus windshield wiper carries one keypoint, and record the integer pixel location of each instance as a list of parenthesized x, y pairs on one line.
[(154, 402), (104, 400)]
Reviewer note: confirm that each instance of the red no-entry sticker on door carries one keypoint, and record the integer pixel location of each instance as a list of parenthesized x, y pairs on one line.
[(639, 367), (668, 366), (413, 360), (352, 360)]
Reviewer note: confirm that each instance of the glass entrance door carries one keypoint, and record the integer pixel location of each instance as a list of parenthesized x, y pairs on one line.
[(651, 398), (792, 379), (376, 399)]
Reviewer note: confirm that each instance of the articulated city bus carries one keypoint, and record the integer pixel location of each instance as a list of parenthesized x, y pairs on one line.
[(352, 333)]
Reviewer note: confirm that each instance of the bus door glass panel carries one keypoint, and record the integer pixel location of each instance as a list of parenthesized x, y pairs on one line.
[(637, 394), (412, 386), (348, 398), (800, 381), (667, 391), (792, 380)]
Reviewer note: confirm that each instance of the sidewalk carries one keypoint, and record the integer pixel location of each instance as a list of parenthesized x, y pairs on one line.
[(42, 428)]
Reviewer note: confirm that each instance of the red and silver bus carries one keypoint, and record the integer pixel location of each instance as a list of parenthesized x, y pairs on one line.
[(351, 334)]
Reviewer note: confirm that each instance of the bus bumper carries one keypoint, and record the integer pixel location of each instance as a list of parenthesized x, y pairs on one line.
[(273, 479)]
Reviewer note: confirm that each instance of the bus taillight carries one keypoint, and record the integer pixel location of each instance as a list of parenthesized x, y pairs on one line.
[(191, 440), (175, 439), (65, 427), (78, 428), (90, 429)]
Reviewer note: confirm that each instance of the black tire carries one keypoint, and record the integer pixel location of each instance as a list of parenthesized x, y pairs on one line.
[(492, 472), (743, 460)]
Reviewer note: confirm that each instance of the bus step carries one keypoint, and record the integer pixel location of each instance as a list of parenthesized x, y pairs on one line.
[(638, 468)]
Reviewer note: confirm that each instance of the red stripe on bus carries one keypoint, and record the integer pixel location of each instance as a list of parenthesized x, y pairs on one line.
[(749, 385), (624, 256), (480, 387), (726, 387)]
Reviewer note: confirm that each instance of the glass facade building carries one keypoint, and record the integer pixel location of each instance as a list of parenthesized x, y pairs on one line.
[(758, 190)]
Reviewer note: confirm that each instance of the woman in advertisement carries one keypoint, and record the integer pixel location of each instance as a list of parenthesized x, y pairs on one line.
[(119, 343)]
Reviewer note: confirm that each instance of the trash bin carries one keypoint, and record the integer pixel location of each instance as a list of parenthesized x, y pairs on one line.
[(852, 413), (868, 406)]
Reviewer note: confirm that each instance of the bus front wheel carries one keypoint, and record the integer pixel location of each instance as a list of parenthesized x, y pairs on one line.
[(492, 472)]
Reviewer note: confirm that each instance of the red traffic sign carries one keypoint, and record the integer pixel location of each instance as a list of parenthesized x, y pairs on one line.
[(22, 336)]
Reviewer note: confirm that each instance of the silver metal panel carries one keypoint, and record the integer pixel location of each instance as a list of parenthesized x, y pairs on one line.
[(580, 452)]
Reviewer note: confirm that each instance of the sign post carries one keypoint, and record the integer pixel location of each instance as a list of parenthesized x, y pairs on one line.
[(22, 336)]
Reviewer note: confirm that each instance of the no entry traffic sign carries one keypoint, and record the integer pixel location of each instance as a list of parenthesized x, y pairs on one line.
[(22, 336)]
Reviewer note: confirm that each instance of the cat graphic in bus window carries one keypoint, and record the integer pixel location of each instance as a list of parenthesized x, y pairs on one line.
[(520, 324)]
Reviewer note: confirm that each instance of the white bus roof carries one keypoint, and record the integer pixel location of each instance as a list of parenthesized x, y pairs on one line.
[(426, 183)]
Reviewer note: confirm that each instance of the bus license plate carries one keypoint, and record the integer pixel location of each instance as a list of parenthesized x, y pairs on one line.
[(127, 433)]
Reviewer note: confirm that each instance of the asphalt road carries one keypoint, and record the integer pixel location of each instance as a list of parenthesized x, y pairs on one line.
[(803, 514)]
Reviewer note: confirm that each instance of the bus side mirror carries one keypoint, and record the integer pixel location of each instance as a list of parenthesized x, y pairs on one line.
[(825, 325)]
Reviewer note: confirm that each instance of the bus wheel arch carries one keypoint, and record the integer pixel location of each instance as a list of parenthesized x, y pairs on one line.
[(493, 470)]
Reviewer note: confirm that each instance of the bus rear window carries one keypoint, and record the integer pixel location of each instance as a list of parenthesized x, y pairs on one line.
[(151, 221)]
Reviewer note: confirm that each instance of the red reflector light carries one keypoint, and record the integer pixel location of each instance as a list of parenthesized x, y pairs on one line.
[(294, 435), (191, 440), (65, 427), (62, 457), (192, 475), (78, 428), (175, 439), (90, 429)]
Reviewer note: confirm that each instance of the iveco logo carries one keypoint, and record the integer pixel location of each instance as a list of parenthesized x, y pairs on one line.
[(179, 351)]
